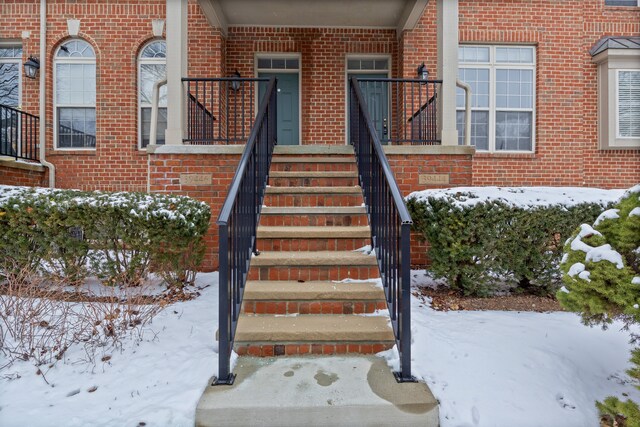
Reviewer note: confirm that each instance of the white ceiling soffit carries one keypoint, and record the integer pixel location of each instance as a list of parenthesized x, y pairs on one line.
[(394, 14)]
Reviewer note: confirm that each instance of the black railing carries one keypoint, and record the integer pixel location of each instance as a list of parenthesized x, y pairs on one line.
[(19, 133), (403, 111), (238, 224), (390, 223), (220, 110)]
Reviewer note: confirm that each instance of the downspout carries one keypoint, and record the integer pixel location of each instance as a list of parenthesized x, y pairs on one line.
[(467, 110), (43, 93), (155, 101)]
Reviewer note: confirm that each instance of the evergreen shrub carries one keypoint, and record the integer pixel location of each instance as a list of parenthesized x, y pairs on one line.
[(483, 245), (119, 237), (601, 273)]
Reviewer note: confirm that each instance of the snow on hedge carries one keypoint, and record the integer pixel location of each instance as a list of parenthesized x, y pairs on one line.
[(141, 205), (523, 197)]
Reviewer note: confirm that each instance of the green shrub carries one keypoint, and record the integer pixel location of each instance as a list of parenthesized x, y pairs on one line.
[(601, 273), (125, 236), (481, 245)]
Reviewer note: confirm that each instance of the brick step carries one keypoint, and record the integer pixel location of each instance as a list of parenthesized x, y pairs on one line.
[(312, 334), (283, 238), (309, 266), (327, 164), (314, 216), (313, 196), (317, 297), (313, 178)]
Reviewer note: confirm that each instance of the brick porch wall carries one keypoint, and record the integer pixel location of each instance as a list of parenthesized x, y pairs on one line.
[(408, 167), (164, 176), (12, 174)]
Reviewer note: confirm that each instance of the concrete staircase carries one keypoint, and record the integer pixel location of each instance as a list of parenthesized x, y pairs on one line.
[(296, 302)]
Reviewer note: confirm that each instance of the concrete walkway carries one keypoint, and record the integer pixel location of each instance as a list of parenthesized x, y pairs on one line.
[(316, 391)]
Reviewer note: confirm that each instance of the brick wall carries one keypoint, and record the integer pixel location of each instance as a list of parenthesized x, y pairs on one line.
[(22, 175), (408, 168), (323, 60), (164, 177), (566, 151)]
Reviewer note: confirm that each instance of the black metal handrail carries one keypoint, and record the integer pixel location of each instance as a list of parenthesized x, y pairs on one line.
[(410, 114), (220, 110), (19, 133), (390, 224), (238, 224)]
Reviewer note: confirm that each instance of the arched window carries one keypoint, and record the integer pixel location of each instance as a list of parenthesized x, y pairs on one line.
[(75, 95), (152, 67)]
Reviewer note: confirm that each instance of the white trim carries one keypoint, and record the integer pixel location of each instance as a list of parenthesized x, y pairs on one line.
[(362, 56), (283, 55), (617, 106), (492, 66), (72, 60), (139, 62)]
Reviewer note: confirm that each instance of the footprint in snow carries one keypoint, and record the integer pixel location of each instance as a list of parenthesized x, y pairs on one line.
[(564, 403)]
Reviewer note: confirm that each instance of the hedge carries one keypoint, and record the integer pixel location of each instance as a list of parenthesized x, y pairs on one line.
[(484, 244), (119, 237)]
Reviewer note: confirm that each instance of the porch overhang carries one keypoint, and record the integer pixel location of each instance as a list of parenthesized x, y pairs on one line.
[(389, 14)]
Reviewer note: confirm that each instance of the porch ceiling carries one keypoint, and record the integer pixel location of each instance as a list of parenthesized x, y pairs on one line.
[(397, 14)]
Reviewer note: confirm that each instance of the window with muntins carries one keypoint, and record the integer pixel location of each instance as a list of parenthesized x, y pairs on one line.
[(502, 80), (75, 95), (628, 100), (152, 67)]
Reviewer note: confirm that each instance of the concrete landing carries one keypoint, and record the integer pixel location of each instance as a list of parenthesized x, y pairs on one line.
[(316, 391)]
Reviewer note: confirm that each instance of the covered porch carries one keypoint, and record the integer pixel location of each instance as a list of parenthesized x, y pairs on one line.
[(313, 49)]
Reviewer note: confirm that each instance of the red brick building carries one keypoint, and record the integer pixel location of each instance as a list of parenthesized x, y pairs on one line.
[(553, 103)]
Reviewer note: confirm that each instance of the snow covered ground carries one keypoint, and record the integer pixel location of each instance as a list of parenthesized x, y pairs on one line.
[(486, 368), (157, 382)]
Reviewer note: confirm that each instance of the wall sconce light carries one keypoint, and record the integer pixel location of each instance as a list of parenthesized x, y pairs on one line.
[(423, 74), (31, 67), (235, 84)]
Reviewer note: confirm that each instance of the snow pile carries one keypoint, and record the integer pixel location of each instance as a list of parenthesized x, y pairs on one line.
[(522, 197)]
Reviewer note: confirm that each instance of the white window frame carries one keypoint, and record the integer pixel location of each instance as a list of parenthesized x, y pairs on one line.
[(14, 60), (143, 61), (280, 55), (363, 56), (492, 65), (72, 60), (617, 107), (608, 63)]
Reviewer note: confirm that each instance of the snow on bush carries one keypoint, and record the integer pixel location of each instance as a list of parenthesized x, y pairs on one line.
[(601, 275), (125, 236), (484, 237)]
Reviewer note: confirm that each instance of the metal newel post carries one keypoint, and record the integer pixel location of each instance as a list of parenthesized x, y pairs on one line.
[(405, 305)]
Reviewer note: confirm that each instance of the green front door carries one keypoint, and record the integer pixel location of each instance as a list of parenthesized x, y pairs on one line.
[(376, 95), (288, 106)]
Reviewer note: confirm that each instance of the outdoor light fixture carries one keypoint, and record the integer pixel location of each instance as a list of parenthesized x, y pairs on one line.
[(423, 74), (31, 67), (235, 84)]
